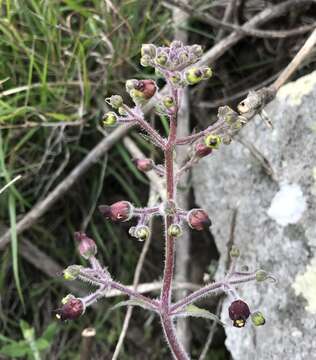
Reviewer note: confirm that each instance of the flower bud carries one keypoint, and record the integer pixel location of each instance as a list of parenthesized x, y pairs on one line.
[(198, 219), (239, 312), (87, 247), (183, 57), (206, 73), (142, 232), (147, 87), (131, 84), (193, 76), (257, 318), (175, 78), (72, 272), (197, 50), (115, 101), (144, 164), (176, 44), (148, 50), (68, 297), (168, 102), (213, 141), (110, 119), (174, 230), (202, 150), (234, 252), (261, 275), (162, 59), (119, 211), (145, 60), (72, 309), (122, 111)]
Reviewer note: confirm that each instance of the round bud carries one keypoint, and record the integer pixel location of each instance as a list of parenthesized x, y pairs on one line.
[(234, 252), (183, 57), (257, 318), (142, 232), (201, 150), (122, 111), (206, 73), (110, 119), (131, 84), (148, 50), (72, 272), (72, 309), (238, 312), (174, 230), (175, 78), (197, 50), (144, 164), (193, 76), (198, 219), (213, 141), (168, 102), (162, 59), (86, 247), (261, 275), (176, 44), (145, 60), (115, 101), (119, 211), (147, 88)]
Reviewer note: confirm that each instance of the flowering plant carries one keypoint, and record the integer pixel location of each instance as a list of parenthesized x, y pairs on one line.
[(179, 66)]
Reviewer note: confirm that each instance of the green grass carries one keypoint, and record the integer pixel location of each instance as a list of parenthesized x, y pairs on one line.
[(58, 61)]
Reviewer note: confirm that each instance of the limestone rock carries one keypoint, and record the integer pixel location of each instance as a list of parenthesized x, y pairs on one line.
[(276, 223)]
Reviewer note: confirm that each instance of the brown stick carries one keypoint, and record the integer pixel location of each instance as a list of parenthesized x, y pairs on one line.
[(87, 337), (209, 19)]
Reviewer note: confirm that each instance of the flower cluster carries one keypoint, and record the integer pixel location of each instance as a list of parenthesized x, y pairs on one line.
[(179, 66)]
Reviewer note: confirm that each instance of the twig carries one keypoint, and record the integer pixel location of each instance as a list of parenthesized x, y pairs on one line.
[(229, 10), (209, 19), (296, 62), (87, 337), (10, 183)]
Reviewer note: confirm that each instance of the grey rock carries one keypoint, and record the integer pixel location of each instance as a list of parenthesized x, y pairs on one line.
[(231, 178)]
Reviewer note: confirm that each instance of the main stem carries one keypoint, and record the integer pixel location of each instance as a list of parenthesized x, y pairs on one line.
[(165, 299)]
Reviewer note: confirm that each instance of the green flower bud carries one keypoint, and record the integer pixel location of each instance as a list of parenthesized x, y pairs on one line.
[(162, 59), (261, 275), (110, 119), (234, 252), (137, 96), (67, 298), (148, 50), (145, 60), (213, 141), (131, 84), (197, 50), (168, 102), (176, 44), (207, 73), (257, 318), (72, 272), (183, 57), (122, 111), (142, 232), (193, 76), (175, 78), (115, 101), (174, 230), (158, 73)]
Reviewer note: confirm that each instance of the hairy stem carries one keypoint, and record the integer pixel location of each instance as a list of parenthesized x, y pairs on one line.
[(165, 299)]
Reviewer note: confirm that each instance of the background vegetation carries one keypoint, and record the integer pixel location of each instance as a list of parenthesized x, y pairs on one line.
[(58, 61)]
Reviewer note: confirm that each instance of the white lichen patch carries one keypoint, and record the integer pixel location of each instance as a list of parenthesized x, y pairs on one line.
[(314, 185), (305, 285), (288, 205), (294, 91)]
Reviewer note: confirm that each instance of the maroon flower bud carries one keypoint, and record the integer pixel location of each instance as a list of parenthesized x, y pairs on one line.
[(147, 87), (119, 211), (239, 312), (198, 219), (86, 247), (71, 310), (202, 150), (144, 164)]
